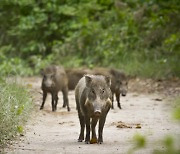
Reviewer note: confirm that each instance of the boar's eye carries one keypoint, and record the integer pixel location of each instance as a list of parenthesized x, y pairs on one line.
[(93, 91), (103, 90), (52, 76)]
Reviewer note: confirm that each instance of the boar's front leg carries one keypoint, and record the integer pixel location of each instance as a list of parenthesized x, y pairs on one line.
[(112, 107), (44, 99), (56, 101), (118, 100), (101, 126), (87, 139), (93, 126), (82, 124), (53, 101), (65, 98)]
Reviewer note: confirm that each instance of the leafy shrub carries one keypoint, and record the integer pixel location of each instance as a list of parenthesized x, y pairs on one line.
[(141, 37)]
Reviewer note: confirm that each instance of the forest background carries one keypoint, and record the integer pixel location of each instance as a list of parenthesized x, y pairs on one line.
[(141, 37)]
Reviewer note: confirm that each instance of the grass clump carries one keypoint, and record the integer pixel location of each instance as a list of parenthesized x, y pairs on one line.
[(16, 105)]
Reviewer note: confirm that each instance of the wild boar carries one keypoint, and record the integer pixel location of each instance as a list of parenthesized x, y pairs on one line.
[(55, 80), (93, 101), (74, 75), (119, 85)]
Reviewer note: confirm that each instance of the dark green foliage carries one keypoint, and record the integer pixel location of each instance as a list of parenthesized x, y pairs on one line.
[(141, 37)]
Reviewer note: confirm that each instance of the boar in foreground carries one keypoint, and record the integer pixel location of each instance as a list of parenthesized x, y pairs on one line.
[(55, 80), (93, 100), (119, 85)]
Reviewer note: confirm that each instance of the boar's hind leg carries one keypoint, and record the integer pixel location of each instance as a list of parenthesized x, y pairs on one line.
[(101, 126), (82, 123), (44, 99), (118, 100), (93, 125), (65, 98), (87, 139)]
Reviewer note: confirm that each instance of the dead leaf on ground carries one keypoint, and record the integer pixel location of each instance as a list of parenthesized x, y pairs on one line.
[(121, 124), (158, 99), (61, 123), (93, 141), (138, 126)]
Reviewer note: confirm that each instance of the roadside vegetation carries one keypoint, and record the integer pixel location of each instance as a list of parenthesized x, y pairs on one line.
[(16, 104), (140, 37)]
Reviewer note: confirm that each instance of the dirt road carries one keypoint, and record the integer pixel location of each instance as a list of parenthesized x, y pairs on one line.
[(57, 132)]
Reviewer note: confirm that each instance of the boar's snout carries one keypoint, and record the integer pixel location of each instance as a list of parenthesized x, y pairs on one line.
[(97, 113), (123, 93), (48, 81), (48, 84)]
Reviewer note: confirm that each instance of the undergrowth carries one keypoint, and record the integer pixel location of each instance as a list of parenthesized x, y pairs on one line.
[(15, 106)]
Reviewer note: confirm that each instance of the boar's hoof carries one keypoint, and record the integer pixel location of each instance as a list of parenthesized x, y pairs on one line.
[(68, 109), (80, 140), (64, 105), (100, 141), (53, 110), (87, 141), (93, 140), (119, 106), (41, 107)]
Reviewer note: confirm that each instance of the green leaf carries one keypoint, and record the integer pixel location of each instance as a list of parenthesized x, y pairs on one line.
[(20, 129), (20, 110), (67, 10)]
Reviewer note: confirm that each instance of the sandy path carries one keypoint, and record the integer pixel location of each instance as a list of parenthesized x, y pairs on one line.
[(57, 132)]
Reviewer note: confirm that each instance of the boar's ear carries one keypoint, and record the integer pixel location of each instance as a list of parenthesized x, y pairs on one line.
[(113, 72), (129, 77), (108, 80), (42, 71), (88, 80)]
